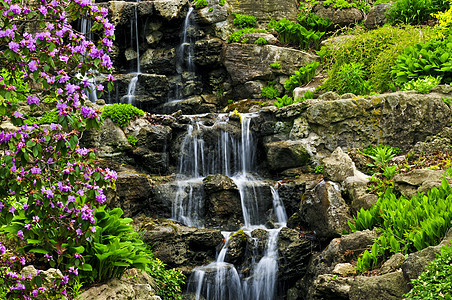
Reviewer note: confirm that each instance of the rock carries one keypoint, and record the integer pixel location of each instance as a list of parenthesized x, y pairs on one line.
[(330, 95), (293, 254), (348, 96), (223, 206), (246, 62), (152, 162), (109, 138), (377, 15), (132, 193), (286, 154), (437, 143), (300, 129), (344, 269), (266, 10), (340, 17), (133, 284), (158, 61), (211, 14), (179, 246), (391, 286), (338, 166), (208, 52), (418, 180), (254, 36), (170, 9), (324, 211), (397, 119), (393, 263), (299, 92), (237, 246), (150, 136), (331, 287), (190, 106), (355, 188)]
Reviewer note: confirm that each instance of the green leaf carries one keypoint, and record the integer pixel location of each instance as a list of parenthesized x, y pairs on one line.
[(39, 250), (73, 142), (31, 241)]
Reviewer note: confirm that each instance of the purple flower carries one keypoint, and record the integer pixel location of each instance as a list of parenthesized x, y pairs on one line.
[(43, 10), (35, 170), (87, 112), (32, 66), (73, 270), (2, 249), (1, 205), (18, 115), (79, 231), (13, 46), (27, 226), (32, 100), (22, 261), (101, 198), (26, 206), (20, 234), (35, 293), (54, 126), (12, 209), (71, 88), (36, 219)]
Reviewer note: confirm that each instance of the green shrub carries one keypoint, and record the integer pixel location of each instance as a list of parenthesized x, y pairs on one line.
[(377, 50), (132, 140), (447, 100), (48, 117), (236, 37), (314, 22), (435, 282), (422, 85), (433, 58), (318, 169), (261, 41), (275, 65), (293, 33), (283, 101), (351, 79), (341, 4), (221, 2), (415, 12), (381, 155), (201, 3), (270, 92), (244, 21), (300, 77), (406, 225), (121, 114), (307, 95)]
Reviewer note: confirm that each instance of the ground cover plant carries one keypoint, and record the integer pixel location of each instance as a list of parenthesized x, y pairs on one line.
[(51, 191)]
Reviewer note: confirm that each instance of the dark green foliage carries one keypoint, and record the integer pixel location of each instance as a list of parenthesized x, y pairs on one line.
[(435, 283), (121, 114), (314, 22), (415, 12), (351, 79), (433, 58), (47, 117), (236, 37), (261, 41), (244, 21), (376, 50), (406, 225), (270, 92), (300, 77), (294, 33)]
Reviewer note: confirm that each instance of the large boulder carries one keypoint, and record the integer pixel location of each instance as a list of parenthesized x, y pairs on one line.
[(338, 166), (208, 52), (158, 61), (266, 10), (340, 17), (213, 13), (397, 119), (418, 180), (324, 211), (245, 62), (377, 15), (391, 286), (170, 9), (283, 155)]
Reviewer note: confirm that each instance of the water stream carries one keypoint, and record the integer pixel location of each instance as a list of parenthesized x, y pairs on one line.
[(232, 154), (85, 28)]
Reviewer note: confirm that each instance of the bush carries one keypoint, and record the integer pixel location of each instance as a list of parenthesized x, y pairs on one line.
[(244, 21), (422, 85), (435, 282), (121, 114), (261, 41), (48, 117), (406, 225), (433, 58), (201, 3), (415, 12), (300, 77), (283, 101), (275, 65), (443, 28), (270, 92), (314, 22), (377, 50), (351, 79), (294, 33)]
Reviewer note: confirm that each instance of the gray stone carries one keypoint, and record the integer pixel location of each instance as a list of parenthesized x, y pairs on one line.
[(393, 263), (208, 52), (324, 211), (340, 17), (286, 154), (391, 286), (158, 61), (355, 188), (245, 62), (107, 139), (212, 13), (344, 269), (418, 180), (338, 166), (331, 287), (266, 10), (170, 9), (329, 96), (377, 15)]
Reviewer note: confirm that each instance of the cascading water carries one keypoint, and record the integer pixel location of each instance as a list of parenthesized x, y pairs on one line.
[(134, 36), (233, 155), (184, 58), (85, 29)]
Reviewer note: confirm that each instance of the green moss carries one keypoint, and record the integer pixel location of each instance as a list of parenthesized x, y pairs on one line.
[(121, 114)]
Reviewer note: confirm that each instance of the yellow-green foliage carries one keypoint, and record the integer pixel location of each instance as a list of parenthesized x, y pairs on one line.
[(444, 26), (376, 50)]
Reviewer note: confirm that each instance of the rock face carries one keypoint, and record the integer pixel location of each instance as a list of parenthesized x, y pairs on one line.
[(377, 15), (266, 10), (340, 17), (286, 154)]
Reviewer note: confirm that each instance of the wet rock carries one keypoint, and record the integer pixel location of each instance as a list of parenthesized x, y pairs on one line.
[(223, 206), (237, 247), (324, 211), (209, 50), (391, 286), (286, 154), (340, 17), (150, 136), (246, 62), (377, 15), (158, 61), (338, 166), (190, 106), (150, 161), (179, 246), (134, 284)]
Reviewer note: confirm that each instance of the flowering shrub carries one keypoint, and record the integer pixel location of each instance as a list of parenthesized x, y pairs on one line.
[(49, 186)]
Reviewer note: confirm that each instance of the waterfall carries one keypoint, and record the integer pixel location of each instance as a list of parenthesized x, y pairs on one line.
[(134, 36), (85, 29), (216, 149)]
